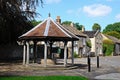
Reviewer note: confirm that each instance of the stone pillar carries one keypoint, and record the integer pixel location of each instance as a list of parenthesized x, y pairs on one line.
[(72, 53), (27, 60), (45, 54), (97, 52), (24, 53), (65, 54), (51, 55), (35, 51)]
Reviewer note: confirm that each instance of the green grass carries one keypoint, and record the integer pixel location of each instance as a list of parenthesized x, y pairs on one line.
[(44, 78)]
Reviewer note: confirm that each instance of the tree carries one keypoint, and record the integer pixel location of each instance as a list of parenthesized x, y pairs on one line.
[(108, 28), (78, 26), (66, 23), (34, 22), (116, 27), (113, 30), (15, 16), (114, 34), (96, 26), (112, 27)]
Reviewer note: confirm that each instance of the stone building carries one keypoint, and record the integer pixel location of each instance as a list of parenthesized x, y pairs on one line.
[(96, 42)]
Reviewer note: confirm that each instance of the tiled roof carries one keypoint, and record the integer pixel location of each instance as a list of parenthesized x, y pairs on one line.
[(75, 31), (90, 34), (48, 29)]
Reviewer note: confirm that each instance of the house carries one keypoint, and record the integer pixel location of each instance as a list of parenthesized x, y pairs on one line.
[(79, 46), (115, 41), (96, 42)]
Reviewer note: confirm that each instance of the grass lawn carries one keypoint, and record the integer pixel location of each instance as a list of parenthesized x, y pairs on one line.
[(44, 78)]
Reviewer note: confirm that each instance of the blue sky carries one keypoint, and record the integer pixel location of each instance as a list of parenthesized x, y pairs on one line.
[(85, 12)]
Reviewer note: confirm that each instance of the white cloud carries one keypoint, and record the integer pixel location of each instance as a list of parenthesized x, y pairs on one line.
[(97, 10), (52, 1), (117, 17)]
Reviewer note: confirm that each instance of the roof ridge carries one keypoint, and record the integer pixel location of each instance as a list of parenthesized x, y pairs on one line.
[(60, 28), (47, 27)]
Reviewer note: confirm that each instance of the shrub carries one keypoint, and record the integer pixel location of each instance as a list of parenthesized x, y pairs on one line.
[(88, 43), (114, 34), (76, 55), (108, 47), (108, 41)]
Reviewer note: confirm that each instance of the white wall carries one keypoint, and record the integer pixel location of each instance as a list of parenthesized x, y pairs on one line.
[(96, 43)]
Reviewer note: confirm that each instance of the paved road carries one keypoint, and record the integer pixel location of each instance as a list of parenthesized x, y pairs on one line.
[(109, 69)]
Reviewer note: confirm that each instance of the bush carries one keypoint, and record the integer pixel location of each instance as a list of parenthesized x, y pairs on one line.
[(108, 41), (88, 43), (108, 47), (114, 34), (76, 55)]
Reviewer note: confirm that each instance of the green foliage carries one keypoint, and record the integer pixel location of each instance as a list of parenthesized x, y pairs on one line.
[(88, 43), (66, 23), (108, 41), (78, 26), (108, 47), (44, 78), (116, 27), (15, 16), (96, 27), (34, 22), (113, 30), (108, 28), (76, 55), (104, 49), (114, 34)]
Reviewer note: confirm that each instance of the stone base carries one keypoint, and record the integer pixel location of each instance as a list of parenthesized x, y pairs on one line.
[(49, 62)]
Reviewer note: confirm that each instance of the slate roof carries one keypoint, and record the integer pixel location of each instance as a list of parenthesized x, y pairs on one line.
[(49, 29), (73, 30), (90, 34)]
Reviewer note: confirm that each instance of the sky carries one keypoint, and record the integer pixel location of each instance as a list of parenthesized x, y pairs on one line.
[(84, 12)]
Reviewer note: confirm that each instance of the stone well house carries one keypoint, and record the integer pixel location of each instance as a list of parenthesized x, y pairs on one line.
[(49, 32)]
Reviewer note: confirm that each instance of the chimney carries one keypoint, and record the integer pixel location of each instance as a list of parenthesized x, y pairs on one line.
[(83, 28), (58, 20)]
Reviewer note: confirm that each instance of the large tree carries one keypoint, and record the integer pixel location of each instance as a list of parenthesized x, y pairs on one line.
[(96, 26), (35, 23), (67, 23), (113, 30), (112, 27), (15, 16), (114, 34), (77, 25)]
